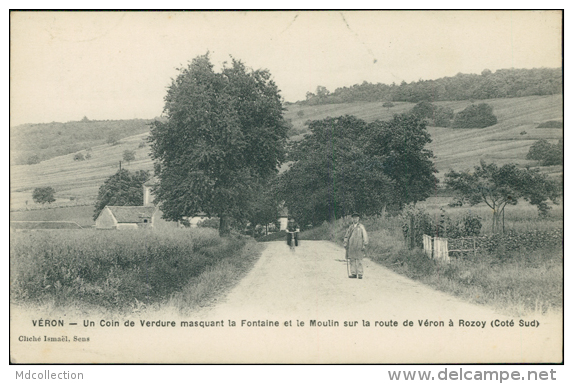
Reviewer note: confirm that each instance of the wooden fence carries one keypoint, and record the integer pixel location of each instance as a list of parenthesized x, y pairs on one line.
[(438, 247)]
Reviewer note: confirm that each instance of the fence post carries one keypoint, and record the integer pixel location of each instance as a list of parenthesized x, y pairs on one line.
[(412, 233)]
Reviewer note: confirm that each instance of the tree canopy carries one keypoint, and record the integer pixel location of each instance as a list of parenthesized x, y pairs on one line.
[(499, 186), (224, 136), (347, 165), (399, 145), (122, 188)]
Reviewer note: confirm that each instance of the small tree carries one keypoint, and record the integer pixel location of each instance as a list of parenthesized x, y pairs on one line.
[(44, 195), (546, 153), (475, 116), (128, 156), (79, 157), (388, 105), (424, 110), (500, 186)]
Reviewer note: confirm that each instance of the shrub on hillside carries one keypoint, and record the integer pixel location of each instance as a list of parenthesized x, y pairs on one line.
[(551, 124), (443, 117), (43, 195), (424, 110), (436, 116), (34, 159), (546, 153), (475, 116)]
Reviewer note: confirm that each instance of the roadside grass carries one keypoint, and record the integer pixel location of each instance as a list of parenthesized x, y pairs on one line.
[(206, 289), (519, 282), (276, 236), (124, 272)]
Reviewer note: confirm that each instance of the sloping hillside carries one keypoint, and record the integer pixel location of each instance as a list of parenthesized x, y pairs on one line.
[(77, 182), (30, 143)]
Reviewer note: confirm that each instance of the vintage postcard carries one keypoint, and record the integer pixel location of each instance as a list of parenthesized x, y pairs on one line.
[(300, 187)]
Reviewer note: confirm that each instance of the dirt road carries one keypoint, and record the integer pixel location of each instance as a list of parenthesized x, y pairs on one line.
[(312, 284), (302, 308)]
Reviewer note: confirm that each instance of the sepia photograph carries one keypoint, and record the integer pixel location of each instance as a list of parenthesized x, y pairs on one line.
[(286, 187)]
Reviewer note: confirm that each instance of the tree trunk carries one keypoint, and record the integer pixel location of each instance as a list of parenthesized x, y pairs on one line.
[(495, 225), (224, 226)]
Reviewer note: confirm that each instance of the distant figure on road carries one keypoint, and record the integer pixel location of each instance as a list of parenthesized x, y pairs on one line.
[(292, 233), (355, 242)]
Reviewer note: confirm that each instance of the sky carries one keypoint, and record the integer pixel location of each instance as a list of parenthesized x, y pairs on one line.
[(118, 65)]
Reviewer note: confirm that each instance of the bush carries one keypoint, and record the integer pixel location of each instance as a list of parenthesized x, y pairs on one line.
[(79, 157), (209, 223), (503, 245), (443, 117), (475, 116), (546, 153), (437, 116), (423, 224), (551, 124), (424, 110), (34, 159), (43, 195)]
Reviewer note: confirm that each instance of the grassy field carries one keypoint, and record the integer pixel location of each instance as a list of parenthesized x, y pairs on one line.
[(82, 215), (125, 272), (517, 282), (454, 149)]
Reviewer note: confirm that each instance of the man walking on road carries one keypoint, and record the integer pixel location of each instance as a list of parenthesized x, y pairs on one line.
[(355, 242)]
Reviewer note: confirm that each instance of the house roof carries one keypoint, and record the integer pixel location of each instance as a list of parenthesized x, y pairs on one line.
[(283, 212), (131, 214), (151, 182)]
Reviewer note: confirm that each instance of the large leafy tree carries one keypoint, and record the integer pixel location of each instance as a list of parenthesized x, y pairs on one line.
[(399, 147), (122, 188), (331, 176), (224, 136), (501, 186)]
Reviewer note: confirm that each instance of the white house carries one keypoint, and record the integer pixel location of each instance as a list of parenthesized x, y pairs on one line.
[(124, 217)]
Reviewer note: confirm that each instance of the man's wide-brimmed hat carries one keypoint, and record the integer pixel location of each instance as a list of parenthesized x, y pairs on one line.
[(355, 214)]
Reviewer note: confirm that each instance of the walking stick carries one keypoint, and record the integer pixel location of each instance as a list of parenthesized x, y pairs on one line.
[(347, 264)]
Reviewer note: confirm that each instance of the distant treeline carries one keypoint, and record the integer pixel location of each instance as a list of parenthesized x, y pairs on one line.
[(32, 143), (503, 83)]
